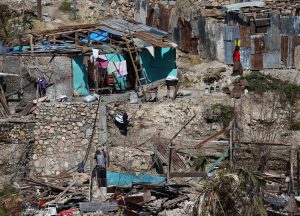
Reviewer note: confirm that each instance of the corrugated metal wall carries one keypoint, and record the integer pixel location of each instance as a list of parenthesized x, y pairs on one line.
[(215, 41), (231, 33), (272, 59), (245, 57)]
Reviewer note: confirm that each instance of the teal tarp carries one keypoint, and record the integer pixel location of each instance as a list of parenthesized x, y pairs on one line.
[(80, 80), (123, 179), (159, 66)]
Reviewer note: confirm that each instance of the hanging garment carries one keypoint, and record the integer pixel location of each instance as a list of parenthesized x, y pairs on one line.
[(102, 63), (121, 68)]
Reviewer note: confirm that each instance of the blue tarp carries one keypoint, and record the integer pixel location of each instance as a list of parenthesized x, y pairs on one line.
[(123, 179), (159, 66), (98, 36)]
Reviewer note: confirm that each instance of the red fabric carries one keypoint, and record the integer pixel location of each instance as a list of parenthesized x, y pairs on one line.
[(236, 56), (42, 203), (68, 212)]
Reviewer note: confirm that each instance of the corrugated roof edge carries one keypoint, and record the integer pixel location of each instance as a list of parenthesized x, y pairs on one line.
[(238, 6)]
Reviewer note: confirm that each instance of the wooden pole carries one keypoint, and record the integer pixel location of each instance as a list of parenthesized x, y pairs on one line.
[(31, 45), (231, 146), (39, 9), (298, 172)]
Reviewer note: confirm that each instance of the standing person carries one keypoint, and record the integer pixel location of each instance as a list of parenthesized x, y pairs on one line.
[(100, 168), (172, 80), (237, 66)]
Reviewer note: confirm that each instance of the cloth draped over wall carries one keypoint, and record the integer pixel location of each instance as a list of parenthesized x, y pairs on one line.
[(160, 65)]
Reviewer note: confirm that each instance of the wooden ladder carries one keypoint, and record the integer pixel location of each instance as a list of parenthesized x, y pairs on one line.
[(137, 66)]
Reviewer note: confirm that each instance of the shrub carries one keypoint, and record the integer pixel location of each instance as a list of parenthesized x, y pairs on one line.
[(220, 113), (65, 6)]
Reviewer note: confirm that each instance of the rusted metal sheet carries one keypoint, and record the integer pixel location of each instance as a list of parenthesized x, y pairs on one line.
[(262, 22), (149, 38), (228, 52), (257, 44), (187, 42), (245, 57), (271, 59), (162, 152), (164, 18), (257, 61), (231, 33), (245, 36), (284, 49), (272, 39)]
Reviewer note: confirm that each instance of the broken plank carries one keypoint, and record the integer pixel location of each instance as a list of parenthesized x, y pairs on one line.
[(98, 206), (9, 74), (49, 185), (174, 202), (187, 174)]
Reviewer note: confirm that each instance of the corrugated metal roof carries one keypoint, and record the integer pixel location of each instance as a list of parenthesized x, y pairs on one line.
[(111, 31), (238, 6)]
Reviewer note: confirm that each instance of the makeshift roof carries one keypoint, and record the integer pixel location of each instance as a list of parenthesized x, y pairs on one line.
[(238, 6), (108, 36)]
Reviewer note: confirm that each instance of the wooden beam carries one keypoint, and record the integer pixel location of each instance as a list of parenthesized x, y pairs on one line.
[(215, 135), (9, 74), (187, 174)]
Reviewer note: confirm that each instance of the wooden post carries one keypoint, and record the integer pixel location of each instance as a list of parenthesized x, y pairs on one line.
[(169, 162), (39, 9), (231, 147), (298, 172), (91, 181), (74, 3), (31, 45)]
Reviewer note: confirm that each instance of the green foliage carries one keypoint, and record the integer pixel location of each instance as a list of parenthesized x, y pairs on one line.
[(7, 190), (200, 163), (220, 113), (2, 212), (260, 83), (250, 179), (65, 6), (231, 193)]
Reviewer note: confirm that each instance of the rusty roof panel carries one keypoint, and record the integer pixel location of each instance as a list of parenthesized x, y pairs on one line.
[(187, 43), (257, 44), (257, 61), (149, 38), (271, 59), (245, 36), (162, 149), (164, 18)]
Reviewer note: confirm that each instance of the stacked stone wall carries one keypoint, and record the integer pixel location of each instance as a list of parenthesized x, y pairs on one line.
[(62, 133)]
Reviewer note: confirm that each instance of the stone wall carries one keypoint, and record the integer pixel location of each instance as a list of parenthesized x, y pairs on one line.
[(16, 140), (62, 135), (58, 69)]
